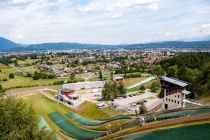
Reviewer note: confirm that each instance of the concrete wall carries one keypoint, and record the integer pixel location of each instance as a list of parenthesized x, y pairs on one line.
[(174, 101)]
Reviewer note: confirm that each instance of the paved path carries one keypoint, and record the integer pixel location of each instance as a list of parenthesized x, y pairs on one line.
[(142, 82)]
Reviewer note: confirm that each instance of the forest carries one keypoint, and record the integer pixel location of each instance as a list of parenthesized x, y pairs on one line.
[(191, 67)]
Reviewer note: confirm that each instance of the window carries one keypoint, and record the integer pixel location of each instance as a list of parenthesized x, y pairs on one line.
[(172, 101), (178, 102), (169, 100), (166, 99), (175, 101), (178, 96)]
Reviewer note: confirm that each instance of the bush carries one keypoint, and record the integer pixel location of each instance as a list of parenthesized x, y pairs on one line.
[(28, 75), (4, 79), (142, 109), (142, 87), (11, 76), (1, 88)]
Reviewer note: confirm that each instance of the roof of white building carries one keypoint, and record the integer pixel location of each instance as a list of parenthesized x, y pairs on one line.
[(186, 92), (174, 81), (118, 77)]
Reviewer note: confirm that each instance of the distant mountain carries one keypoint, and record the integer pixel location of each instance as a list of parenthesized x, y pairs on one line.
[(166, 44), (9, 46), (6, 44), (205, 38)]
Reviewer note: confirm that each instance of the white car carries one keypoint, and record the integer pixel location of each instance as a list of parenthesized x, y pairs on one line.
[(100, 104)]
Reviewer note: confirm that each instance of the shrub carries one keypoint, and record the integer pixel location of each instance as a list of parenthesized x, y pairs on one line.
[(4, 79), (11, 76), (142, 87)]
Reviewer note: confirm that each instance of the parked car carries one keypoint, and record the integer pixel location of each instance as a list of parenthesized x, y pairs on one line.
[(124, 96), (100, 104), (141, 102)]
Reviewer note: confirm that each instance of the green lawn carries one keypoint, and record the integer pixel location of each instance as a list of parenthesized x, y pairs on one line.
[(27, 61), (44, 106), (20, 80), (90, 110), (29, 69), (28, 81), (5, 71), (131, 81), (146, 86)]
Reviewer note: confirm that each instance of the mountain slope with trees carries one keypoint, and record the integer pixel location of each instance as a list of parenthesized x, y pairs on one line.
[(191, 67)]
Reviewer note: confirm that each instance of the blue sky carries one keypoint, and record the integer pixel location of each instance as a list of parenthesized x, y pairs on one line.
[(103, 21)]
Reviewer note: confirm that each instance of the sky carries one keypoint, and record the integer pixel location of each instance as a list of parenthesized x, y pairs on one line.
[(103, 21)]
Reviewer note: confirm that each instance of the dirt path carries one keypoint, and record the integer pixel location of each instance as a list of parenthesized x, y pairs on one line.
[(161, 124)]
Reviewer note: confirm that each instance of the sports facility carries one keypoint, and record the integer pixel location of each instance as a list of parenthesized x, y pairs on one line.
[(73, 130), (91, 122)]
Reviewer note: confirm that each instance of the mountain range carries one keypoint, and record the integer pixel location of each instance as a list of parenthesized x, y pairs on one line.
[(8, 45)]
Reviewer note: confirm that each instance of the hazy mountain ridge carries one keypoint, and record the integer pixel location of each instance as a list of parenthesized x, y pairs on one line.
[(7, 45)]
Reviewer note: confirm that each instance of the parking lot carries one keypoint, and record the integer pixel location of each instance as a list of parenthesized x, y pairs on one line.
[(132, 102), (128, 100)]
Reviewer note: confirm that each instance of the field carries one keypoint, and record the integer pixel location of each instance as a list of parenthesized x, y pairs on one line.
[(96, 113), (29, 69), (146, 86), (21, 81), (27, 61), (131, 81)]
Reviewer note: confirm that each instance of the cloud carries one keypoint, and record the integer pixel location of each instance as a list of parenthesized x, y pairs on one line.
[(17, 2), (114, 5), (103, 21), (204, 26)]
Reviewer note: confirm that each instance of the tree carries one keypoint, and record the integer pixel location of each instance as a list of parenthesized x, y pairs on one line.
[(172, 71), (1, 88), (111, 75), (72, 76), (155, 86), (100, 75), (142, 87), (142, 109), (161, 94), (36, 76), (112, 90), (19, 121), (121, 88), (157, 70), (11, 75)]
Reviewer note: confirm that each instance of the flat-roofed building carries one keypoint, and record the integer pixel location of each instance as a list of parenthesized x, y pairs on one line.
[(84, 85), (175, 92)]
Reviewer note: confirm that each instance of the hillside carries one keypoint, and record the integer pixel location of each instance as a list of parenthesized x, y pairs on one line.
[(6, 44)]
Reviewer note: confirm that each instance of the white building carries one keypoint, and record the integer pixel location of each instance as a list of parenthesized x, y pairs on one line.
[(175, 93), (84, 85)]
